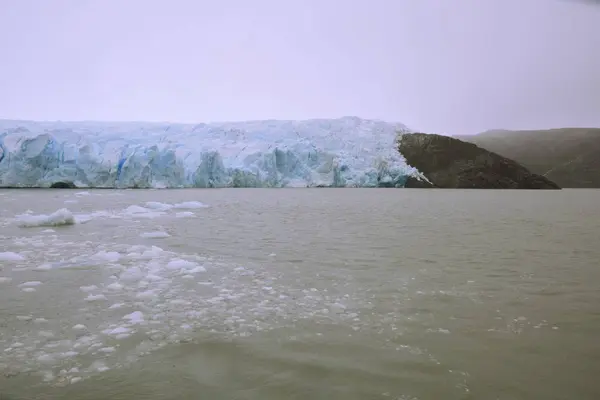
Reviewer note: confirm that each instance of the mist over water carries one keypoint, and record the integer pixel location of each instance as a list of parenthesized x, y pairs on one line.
[(270, 294)]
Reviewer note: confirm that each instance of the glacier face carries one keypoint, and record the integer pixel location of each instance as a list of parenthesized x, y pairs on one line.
[(344, 152)]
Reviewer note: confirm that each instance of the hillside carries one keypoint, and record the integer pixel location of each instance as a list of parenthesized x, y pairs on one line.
[(451, 163), (569, 156)]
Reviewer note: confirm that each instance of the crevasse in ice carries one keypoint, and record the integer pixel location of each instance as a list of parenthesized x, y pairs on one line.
[(344, 152)]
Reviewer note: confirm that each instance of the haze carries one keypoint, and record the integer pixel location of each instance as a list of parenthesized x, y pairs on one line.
[(440, 66)]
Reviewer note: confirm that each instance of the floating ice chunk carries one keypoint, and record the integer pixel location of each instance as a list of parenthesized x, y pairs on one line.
[(118, 331), (45, 359), (79, 327), (60, 217), (109, 256), (99, 366), (114, 286), (131, 274), (10, 256), (30, 284), (82, 194), (97, 297), (136, 317), (146, 295), (89, 288), (155, 205), (48, 231), (136, 210), (189, 205), (44, 267), (155, 235), (184, 214), (122, 336), (153, 253), (178, 263), (28, 290), (107, 350)]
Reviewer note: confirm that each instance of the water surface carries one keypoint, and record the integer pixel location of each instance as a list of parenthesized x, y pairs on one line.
[(300, 293)]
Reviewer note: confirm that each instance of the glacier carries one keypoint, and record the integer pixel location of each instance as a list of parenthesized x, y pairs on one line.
[(343, 152)]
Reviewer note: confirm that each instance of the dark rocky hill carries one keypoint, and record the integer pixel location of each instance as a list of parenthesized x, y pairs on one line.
[(451, 163)]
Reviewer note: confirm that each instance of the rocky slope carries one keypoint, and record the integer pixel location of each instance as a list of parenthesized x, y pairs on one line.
[(569, 156), (452, 163)]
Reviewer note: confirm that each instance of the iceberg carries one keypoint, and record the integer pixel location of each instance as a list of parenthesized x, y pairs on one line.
[(343, 152)]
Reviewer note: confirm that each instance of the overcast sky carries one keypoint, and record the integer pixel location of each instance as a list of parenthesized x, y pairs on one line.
[(443, 66)]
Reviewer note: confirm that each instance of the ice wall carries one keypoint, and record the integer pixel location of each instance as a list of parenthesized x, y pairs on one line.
[(344, 152)]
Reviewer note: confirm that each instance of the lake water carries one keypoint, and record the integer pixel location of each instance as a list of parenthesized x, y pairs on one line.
[(300, 294)]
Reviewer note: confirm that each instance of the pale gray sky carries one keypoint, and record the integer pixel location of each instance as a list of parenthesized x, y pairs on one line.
[(443, 66)]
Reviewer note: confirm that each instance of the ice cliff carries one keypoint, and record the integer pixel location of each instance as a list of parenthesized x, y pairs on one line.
[(344, 152)]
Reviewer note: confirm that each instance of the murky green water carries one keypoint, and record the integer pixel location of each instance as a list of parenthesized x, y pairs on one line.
[(296, 294)]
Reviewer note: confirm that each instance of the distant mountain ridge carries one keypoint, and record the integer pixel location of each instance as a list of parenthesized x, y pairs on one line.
[(568, 156)]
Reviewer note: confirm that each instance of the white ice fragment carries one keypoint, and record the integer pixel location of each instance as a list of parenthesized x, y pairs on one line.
[(44, 267), (107, 350), (114, 286), (60, 217), (118, 331), (178, 263), (11, 256), (87, 289), (45, 359), (190, 205), (96, 297), (136, 210), (79, 327), (136, 317), (122, 336), (156, 205), (146, 295), (155, 235), (99, 366), (132, 274), (108, 256)]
